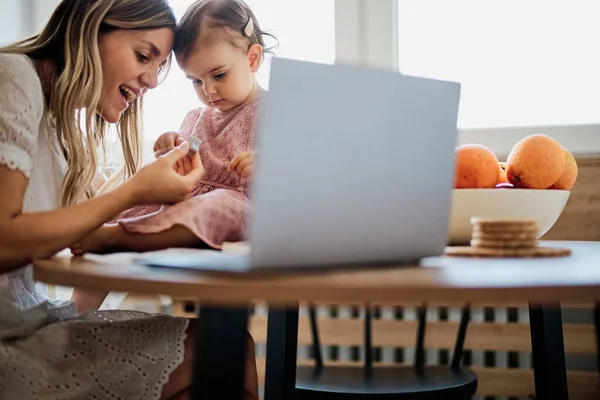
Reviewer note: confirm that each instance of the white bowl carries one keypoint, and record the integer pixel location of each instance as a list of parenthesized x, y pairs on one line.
[(543, 205)]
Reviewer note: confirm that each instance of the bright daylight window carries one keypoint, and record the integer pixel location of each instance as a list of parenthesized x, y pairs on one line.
[(520, 62), (302, 32)]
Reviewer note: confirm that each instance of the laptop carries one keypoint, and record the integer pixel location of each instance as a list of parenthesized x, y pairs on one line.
[(355, 167)]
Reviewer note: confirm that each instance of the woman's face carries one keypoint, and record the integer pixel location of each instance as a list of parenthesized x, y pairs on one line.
[(130, 63)]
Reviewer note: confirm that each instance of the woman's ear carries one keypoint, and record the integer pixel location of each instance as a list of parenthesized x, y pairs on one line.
[(255, 54)]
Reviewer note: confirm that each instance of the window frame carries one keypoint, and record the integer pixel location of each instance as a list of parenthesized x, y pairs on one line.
[(368, 35)]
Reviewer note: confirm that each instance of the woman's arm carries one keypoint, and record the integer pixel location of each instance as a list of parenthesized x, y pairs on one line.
[(177, 236), (113, 238), (27, 236)]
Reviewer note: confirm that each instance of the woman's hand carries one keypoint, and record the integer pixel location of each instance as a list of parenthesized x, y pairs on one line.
[(28, 236), (160, 182), (243, 164)]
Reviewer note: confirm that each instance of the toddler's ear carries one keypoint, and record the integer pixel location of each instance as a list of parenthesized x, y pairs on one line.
[(255, 53)]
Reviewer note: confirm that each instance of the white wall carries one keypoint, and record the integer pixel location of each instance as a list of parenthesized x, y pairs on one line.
[(21, 18), (38, 12), (11, 21)]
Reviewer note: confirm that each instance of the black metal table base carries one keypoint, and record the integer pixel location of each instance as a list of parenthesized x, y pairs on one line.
[(220, 353), (548, 351), (282, 342), (597, 332), (221, 349), (546, 337)]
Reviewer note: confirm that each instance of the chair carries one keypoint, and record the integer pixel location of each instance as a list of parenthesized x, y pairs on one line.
[(416, 382)]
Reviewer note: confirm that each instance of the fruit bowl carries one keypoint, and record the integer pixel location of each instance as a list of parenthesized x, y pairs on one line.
[(543, 205)]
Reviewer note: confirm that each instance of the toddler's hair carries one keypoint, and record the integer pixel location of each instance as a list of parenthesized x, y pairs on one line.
[(207, 22)]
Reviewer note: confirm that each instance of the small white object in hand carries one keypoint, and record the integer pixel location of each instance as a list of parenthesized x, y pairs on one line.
[(195, 144)]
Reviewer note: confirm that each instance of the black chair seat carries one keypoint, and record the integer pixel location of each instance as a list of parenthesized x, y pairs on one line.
[(350, 383), (416, 382)]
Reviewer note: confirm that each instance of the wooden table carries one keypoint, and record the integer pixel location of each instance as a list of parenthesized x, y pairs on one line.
[(544, 283)]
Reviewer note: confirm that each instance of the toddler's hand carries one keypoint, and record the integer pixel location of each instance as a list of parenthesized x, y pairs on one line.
[(166, 142), (243, 164)]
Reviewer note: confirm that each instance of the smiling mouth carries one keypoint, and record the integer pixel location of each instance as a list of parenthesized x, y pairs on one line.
[(128, 94)]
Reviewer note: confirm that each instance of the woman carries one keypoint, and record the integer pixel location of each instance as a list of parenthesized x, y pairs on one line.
[(97, 56)]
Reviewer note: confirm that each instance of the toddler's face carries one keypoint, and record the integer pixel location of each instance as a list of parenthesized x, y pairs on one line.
[(222, 74)]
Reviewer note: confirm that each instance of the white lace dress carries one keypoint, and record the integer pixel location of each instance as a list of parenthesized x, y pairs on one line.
[(47, 351)]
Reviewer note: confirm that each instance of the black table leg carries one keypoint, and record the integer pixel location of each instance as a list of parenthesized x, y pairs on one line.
[(282, 342), (548, 350), (220, 353), (597, 325)]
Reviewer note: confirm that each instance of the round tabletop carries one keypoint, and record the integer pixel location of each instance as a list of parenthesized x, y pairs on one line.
[(575, 278)]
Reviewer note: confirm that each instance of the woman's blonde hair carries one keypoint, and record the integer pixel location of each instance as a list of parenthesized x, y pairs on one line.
[(70, 41)]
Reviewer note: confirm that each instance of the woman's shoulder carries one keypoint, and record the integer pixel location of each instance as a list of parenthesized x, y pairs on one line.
[(16, 67), (21, 111), (19, 77)]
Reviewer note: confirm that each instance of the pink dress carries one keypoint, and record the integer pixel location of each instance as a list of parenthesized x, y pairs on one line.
[(219, 205)]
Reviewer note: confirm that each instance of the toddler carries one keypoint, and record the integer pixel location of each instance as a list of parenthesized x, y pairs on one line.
[(219, 46)]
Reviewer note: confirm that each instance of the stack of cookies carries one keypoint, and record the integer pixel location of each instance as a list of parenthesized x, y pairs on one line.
[(505, 238), (504, 234)]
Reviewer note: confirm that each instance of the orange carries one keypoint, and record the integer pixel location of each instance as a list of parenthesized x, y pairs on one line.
[(569, 176), (502, 177), (476, 167), (535, 162)]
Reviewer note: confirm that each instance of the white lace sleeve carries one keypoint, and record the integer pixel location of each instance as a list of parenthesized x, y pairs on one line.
[(21, 109)]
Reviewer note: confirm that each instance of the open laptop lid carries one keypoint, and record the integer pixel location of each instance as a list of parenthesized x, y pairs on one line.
[(356, 165)]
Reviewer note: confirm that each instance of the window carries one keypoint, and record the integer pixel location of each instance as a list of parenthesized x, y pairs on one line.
[(302, 34), (528, 64), (521, 63)]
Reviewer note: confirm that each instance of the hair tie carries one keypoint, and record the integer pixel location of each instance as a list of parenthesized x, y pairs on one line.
[(249, 28)]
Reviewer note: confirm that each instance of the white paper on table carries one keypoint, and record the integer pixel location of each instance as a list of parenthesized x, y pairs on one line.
[(129, 257)]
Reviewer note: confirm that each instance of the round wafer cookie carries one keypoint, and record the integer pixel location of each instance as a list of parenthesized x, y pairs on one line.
[(531, 235), (523, 222), (501, 226), (499, 243), (505, 229), (484, 252)]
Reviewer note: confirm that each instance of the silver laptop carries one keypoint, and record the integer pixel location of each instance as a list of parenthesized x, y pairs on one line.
[(355, 166)]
